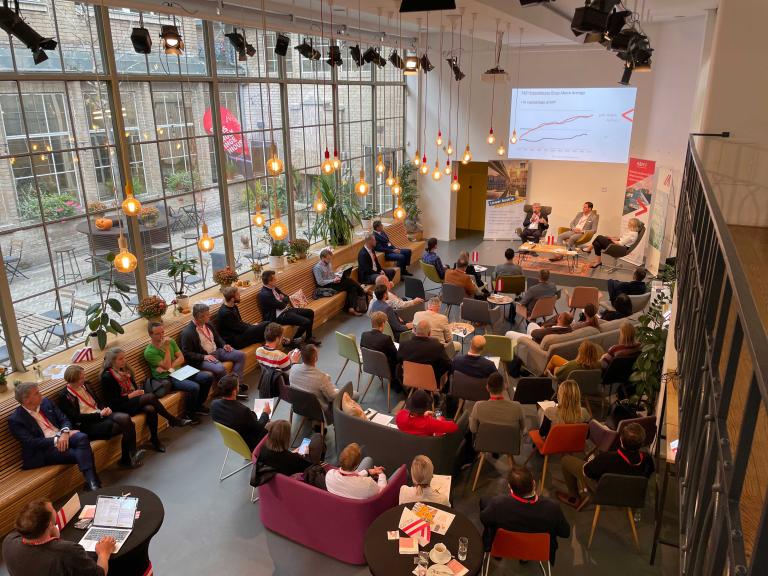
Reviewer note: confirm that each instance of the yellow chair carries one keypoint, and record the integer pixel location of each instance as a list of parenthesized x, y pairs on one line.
[(350, 351), (235, 443), (585, 238), (502, 347), (431, 273)]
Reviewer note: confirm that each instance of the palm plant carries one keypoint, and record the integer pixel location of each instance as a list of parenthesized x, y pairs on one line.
[(410, 193), (337, 222)]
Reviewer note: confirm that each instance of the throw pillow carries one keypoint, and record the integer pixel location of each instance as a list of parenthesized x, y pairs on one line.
[(349, 406), (298, 299)]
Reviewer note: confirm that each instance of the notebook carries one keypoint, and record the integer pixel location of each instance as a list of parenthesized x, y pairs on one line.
[(184, 372)]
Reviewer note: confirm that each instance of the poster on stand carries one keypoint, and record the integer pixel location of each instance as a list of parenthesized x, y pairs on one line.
[(506, 194), (637, 202), (658, 221)]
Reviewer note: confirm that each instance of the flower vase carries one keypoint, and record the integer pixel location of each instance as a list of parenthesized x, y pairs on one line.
[(182, 302), (276, 262)]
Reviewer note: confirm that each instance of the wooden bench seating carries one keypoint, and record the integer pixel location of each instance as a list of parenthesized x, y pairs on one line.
[(53, 482)]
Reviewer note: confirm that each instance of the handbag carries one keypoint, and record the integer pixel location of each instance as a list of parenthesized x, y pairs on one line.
[(361, 304), (261, 473), (324, 293), (157, 386)]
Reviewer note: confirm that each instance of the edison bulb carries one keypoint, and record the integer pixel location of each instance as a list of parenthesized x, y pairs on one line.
[(336, 161), (278, 230), (399, 212), (467, 157), (258, 220), (436, 173), (491, 137), (455, 186), (416, 159), (380, 166), (274, 164), (439, 139), (390, 179), (205, 243), (131, 206), (424, 169), (396, 188), (501, 150), (361, 187), (449, 148), (447, 170), (319, 205), (514, 137)]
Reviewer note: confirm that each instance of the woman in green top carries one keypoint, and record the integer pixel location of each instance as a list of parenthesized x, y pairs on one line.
[(588, 358)]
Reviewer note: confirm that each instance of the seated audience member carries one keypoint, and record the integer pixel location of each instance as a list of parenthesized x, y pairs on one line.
[(584, 221), (353, 478), (568, 410), (459, 277), (308, 377), (122, 395), (626, 347), (276, 451), (508, 268), (276, 307), (418, 417), (537, 333), (430, 257), (541, 289), (226, 410), (401, 256), (205, 350), (534, 225), (600, 243), (35, 547), (425, 350), (476, 276), (375, 339), (622, 308), (499, 409), (627, 460), (87, 413), (271, 355), (368, 265), (590, 318), (634, 288), (521, 510), (440, 328), (587, 358), (233, 330), (164, 356), (422, 471), (394, 301), (474, 363), (380, 304), (325, 277), (47, 437)]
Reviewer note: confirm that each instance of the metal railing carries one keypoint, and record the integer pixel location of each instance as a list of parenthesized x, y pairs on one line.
[(723, 365)]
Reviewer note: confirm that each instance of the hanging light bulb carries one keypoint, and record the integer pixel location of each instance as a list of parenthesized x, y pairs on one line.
[(416, 159), (455, 185), (467, 157), (396, 188), (390, 179), (131, 206), (361, 187), (327, 166), (447, 170), (278, 230), (205, 243), (424, 169), (514, 137), (258, 219), (125, 262), (439, 139), (436, 173), (319, 204), (380, 166), (336, 160), (501, 150), (274, 164), (491, 137), (449, 148), (399, 212)]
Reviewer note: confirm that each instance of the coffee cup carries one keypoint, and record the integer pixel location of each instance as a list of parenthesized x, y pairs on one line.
[(440, 548)]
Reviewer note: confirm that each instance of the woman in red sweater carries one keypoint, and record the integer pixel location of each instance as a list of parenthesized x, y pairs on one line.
[(418, 418)]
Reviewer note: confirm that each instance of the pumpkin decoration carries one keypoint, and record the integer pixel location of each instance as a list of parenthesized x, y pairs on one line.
[(103, 223)]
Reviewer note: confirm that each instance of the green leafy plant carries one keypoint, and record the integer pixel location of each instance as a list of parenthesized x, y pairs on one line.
[(367, 213), (278, 248), (179, 266), (182, 181), (97, 316), (410, 193), (298, 248), (55, 205), (253, 195), (336, 223)]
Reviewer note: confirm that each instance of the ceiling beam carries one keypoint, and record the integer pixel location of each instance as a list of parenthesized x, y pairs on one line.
[(551, 20)]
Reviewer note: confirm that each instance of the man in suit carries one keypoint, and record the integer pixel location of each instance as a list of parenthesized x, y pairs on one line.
[(205, 350), (584, 221), (534, 225), (233, 330), (368, 266), (634, 288), (375, 339), (46, 436), (458, 277), (379, 304), (425, 350), (539, 290), (439, 326), (474, 363), (521, 510), (402, 256), (226, 410), (276, 307)]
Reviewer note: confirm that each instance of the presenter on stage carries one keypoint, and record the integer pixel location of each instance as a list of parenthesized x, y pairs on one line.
[(534, 225), (584, 221)]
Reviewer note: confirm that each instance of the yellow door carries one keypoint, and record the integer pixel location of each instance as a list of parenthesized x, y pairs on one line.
[(470, 206)]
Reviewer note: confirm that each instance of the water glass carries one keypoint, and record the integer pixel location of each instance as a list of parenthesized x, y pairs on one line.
[(463, 545), (422, 567)]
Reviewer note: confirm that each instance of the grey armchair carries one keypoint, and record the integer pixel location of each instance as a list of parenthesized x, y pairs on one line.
[(617, 251), (306, 405), (606, 439), (483, 313), (528, 209)]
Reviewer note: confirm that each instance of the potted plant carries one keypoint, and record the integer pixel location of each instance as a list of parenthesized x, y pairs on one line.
[(298, 248), (3, 381), (225, 276), (256, 268), (152, 308), (178, 268), (149, 216), (367, 215), (409, 197), (98, 318), (336, 223), (277, 254)]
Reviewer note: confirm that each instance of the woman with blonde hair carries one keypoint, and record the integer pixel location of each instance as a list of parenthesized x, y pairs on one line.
[(600, 243), (422, 471), (627, 346), (588, 358), (568, 410)]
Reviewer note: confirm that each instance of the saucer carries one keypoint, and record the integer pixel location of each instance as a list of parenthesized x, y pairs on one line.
[(439, 570), (437, 558)]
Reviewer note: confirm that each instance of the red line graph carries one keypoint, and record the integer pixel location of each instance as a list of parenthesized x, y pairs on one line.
[(556, 123)]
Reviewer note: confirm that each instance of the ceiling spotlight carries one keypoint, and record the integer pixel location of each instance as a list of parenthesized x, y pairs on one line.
[(334, 56), (593, 17), (616, 22), (306, 50), (411, 65), (357, 55), (238, 43), (141, 40), (371, 55), (281, 44), (396, 61), (426, 65), (454, 64), (173, 44), (11, 22)]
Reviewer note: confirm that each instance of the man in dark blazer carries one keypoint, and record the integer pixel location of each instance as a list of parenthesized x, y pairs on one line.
[(521, 510), (233, 330), (634, 288), (46, 436), (379, 304), (276, 307), (375, 339), (534, 225), (402, 256), (226, 410), (474, 364), (425, 350), (368, 266)]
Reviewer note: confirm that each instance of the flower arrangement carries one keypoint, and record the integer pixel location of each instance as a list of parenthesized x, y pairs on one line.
[(3, 382), (149, 215), (256, 268), (97, 207), (298, 248), (151, 307), (225, 277)]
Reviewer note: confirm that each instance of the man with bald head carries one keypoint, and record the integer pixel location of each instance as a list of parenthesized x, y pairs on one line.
[(425, 350), (474, 363)]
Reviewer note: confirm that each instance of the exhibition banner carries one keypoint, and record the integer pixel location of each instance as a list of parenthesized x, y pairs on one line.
[(637, 201), (505, 197), (657, 225)]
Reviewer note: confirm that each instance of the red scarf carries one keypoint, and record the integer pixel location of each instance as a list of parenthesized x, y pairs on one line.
[(90, 403), (124, 380)]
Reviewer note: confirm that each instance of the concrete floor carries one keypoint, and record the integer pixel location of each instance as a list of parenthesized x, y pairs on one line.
[(212, 528)]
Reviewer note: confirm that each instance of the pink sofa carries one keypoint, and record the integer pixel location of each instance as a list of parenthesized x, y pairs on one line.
[(322, 521)]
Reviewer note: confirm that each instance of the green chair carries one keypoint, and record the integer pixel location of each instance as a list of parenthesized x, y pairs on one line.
[(431, 273), (502, 347), (512, 284), (235, 443), (350, 351), (405, 336)]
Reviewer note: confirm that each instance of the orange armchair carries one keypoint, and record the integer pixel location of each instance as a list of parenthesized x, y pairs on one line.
[(562, 439)]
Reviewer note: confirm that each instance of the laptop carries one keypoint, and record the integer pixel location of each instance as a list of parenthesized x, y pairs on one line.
[(114, 517), (345, 273)]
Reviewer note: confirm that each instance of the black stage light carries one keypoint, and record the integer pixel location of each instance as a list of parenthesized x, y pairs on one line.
[(39, 56), (454, 64), (372, 55), (620, 42), (334, 56), (640, 52), (396, 61), (626, 75), (250, 50), (141, 40), (357, 55), (306, 50), (11, 22), (238, 43), (593, 17), (426, 65), (281, 44), (426, 5), (616, 22)]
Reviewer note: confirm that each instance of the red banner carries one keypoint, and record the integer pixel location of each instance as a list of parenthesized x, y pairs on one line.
[(639, 170), (234, 144)]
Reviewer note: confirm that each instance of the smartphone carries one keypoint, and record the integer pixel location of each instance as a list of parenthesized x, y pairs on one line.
[(304, 447), (83, 524)]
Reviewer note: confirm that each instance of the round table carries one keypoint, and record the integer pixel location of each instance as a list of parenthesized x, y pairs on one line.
[(384, 558), (133, 557), (499, 299), (468, 330)]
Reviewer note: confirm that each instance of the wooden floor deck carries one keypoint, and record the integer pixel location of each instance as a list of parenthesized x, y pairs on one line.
[(752, 245)]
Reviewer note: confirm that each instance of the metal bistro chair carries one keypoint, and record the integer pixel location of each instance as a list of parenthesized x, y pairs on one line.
[(13, 260), (451, 295), (526, 546), (350, 351), (503, 348), (376, 364), (67, 300), (623, 491), (235, 443), (483, 313), (414, 288), (465, 388), (495, 438), (67, 328), (306, 405)]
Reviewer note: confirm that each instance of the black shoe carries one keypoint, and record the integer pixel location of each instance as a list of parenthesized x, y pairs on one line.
[(596, 265), (134, 460), (92, 482), (179, 422), (157, 446), (203, 410), (313, 340), (194, 421)]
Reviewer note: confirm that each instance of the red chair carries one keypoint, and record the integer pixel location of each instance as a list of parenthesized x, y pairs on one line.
[(520, 546), (562, 439)]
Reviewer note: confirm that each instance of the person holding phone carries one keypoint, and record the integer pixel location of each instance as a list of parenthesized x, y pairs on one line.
[(226, 410)]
